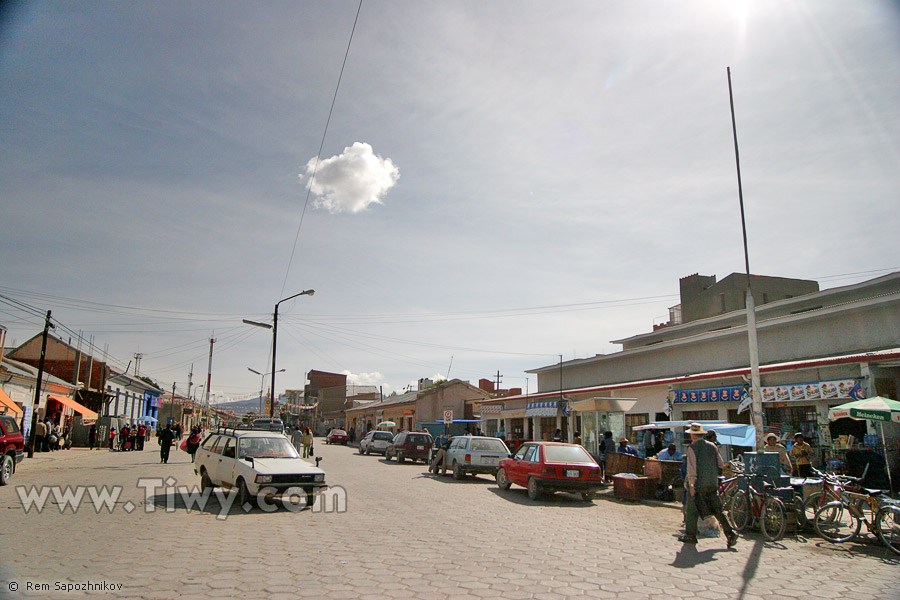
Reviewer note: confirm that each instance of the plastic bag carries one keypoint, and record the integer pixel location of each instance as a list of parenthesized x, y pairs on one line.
[(708, 527), (183, 445)]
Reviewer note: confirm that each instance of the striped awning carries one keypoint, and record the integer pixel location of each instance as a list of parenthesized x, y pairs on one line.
[(492, 409), (6, 401), (545, 408)]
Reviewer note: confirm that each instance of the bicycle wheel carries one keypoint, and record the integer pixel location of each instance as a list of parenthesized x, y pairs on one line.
[(836, 523), (887, 524), (772, 520), (796, 506), (739, 511), (811, 506)]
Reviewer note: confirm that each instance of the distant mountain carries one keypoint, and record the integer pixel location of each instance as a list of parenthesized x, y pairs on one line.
[(240, 407)]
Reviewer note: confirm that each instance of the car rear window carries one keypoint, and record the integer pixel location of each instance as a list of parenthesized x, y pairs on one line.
[(487, 446), (383, 435), (10, 425), (567, 454), (418, 439)]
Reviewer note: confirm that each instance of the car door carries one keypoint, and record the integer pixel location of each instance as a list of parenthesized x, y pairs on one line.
[(212, 460), (532, 463), (228, 462), (515, 469), (456, 450)]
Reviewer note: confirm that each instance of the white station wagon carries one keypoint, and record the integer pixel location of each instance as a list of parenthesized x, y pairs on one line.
[(256, 462)]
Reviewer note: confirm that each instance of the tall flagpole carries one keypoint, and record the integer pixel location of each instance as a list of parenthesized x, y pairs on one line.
[(756, 415)]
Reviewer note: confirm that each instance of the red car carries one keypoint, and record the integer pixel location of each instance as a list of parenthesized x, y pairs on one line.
[(547, 467), (12, 446), (337, 436)]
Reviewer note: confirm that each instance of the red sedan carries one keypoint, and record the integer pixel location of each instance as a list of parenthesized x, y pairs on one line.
[(337, 436), (551, 467)]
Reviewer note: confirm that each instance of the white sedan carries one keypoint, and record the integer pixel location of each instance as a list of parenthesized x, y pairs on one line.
[(375, 441), (255, 463), (475, 454)]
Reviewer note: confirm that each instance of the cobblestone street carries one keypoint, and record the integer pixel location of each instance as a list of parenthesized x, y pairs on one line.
[(405, 534)]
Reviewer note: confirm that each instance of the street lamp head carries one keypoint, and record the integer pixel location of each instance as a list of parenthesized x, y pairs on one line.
[(308, 293), (254, 371), (257, 324)]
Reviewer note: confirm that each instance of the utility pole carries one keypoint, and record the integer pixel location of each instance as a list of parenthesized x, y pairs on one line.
[(497, 385), (212, 341), (190, 382), (37, 388), (756, 413), (137, 363)]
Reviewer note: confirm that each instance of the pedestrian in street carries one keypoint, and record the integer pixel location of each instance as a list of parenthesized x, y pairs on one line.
[(297, 438), (773, 445), (307, 442), (501, 433), (704, 463), (670, 453), (141, 434), (440, 457), (40, 431), (193, 442), (166, 438), (607, 447), (557, 435), (800, 454), (112, 439), (92, 436)]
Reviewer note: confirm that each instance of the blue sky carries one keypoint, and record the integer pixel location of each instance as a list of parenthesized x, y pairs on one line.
[(501, 182)]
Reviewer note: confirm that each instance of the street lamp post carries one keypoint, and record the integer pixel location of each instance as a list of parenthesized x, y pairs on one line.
[(274, 328), (262, 383)]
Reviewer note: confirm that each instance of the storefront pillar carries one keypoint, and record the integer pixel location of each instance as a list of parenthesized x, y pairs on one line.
[(537, 428), (526, 422)]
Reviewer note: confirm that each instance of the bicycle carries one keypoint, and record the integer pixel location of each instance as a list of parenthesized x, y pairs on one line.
[(752, 506), (832, 485), (841, 521)]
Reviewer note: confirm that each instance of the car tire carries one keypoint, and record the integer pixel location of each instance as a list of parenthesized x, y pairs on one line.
[(534, 489), (400, 458), (368, 450), (588, 496), (502, 482), (205, 482), (457, 471), (7, 468), (310, 499), (244, 496), (387, 455), (361, 451)]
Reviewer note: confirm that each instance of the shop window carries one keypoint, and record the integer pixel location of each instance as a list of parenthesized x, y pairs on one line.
[(734, 417), (793, 419), (632, 421), (700, 415)]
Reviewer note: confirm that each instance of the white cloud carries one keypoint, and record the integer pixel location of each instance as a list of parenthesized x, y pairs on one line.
[(350, 181), (373, 378)]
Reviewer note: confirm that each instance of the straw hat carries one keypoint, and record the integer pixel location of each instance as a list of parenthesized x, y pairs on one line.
[(771, 436), (624, 439), (696, 429)]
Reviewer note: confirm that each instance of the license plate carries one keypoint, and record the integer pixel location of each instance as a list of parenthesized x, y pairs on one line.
[(490, 460), (420, 447), (573, 473)]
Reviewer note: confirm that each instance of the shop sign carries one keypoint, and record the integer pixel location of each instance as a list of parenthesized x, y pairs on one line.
[(719, 394), (824, 390), (541, 409)]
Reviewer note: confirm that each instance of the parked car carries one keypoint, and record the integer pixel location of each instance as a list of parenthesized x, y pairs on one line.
[(269, 424), (375, 441), (413, 445), (255, 462), (475, 454), (12, 448), (547, 467), (337, 436)]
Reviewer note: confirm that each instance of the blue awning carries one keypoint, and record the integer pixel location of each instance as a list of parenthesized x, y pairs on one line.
[(545, 408)]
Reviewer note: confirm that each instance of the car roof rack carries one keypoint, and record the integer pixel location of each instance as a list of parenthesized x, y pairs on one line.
[(243, 427)]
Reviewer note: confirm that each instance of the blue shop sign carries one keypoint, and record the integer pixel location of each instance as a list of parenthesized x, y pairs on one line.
[(718, 394)]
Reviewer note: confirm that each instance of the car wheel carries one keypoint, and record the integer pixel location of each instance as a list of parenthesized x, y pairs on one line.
[(400, 458), (310, 499), (7, 467), (502, 482), (205, 482), (534, 489), (588, 496), (368, 450), (387, 455), (457, 471), (361, 451), (244, 496)]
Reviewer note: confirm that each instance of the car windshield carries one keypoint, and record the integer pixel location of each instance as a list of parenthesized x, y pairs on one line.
[(260, 447), (567, 454), (488, 445)]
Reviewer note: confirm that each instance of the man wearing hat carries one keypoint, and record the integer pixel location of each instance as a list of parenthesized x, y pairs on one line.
[(772, 445), (625, 447), (704, 464)]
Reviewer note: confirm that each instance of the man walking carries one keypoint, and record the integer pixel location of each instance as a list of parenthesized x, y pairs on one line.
[(166, 437), (703, 466), (92, 436)]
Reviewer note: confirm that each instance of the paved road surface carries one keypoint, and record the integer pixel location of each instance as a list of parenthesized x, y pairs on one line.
[(404, 534)]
